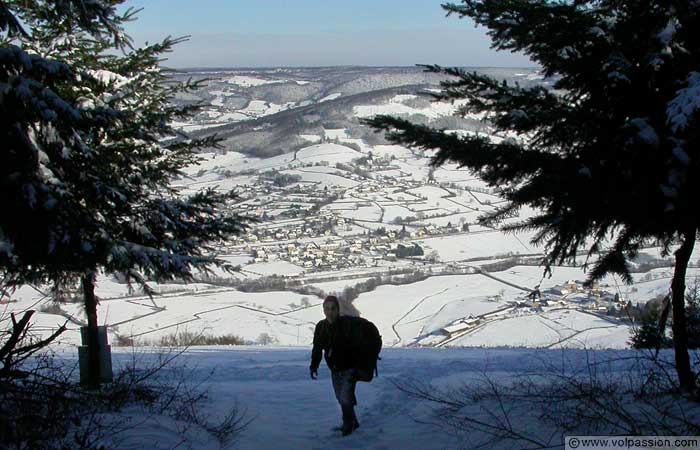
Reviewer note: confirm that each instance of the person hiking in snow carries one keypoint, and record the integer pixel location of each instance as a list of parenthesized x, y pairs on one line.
[(331, 336)]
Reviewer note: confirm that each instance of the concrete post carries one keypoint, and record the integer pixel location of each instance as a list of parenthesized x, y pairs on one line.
[(105, 352)]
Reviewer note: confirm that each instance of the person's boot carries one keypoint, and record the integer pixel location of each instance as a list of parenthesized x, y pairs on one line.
[(355, 426), (349, 420)]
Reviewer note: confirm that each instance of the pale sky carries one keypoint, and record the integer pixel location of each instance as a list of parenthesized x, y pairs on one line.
[(272, 33)]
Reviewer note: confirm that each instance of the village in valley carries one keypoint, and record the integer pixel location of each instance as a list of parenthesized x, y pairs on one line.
[(338, 209), (379, 221)]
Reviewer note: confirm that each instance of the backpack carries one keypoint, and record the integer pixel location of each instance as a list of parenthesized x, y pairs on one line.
[(368, 345)]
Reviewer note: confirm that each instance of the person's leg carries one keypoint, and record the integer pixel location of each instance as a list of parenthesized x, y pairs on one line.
[(344, 383), (353, 385), (336, 378)]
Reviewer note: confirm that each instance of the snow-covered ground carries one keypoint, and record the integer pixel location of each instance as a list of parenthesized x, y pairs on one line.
[(331, 153), (479, 245), (556, 328), (397, 106), (248, 81), (335, 133), (332, 96), (405, 314), (312, 175), (290, 411)]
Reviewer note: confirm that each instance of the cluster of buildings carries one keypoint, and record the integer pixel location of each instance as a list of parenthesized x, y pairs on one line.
[(298, 242), (316, 226), (264, 200), (293, 217), (572, 294), (575, 294), (325, 256), (334, 254)]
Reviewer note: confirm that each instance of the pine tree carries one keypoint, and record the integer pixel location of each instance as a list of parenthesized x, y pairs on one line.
[(651, 331), (609, 156), (89, 156)]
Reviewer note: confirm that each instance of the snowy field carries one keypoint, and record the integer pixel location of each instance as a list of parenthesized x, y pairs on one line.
[(645, 287), (556, 328), (405, 314), (321, 179), (479, 245), (332, 153), (398, 106)]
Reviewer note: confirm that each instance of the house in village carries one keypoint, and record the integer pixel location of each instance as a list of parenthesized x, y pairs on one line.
[(329, 246)]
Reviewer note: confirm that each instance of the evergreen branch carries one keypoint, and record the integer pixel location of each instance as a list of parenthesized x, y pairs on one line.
[(494, 163)]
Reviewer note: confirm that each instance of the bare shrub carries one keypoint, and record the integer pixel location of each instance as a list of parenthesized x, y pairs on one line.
[(266, 339), (186, 339), (121, 340), (625, 396), (182, 338), (46, 408), (38, 406), (164, 388), (18, 343), (52, 308), (33, 397), (350, 293), (352, 145)]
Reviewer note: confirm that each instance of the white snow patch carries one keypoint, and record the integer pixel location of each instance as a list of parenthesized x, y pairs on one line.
[(666, 35), (335, 133), (555, 328), (480, 245), (107, 77), (310, 137), (246, 81), (646, 132), (330, 97), (394, 107), (274, 268), (331, 153), (685, 104)]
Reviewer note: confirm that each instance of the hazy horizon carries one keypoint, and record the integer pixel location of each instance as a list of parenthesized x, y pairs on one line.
[(415, 66), (313, 33)]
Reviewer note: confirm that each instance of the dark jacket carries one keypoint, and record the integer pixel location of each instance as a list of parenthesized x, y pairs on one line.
[(339, 342)]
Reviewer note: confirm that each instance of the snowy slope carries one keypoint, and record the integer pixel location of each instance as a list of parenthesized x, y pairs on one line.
[(290, 411)]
